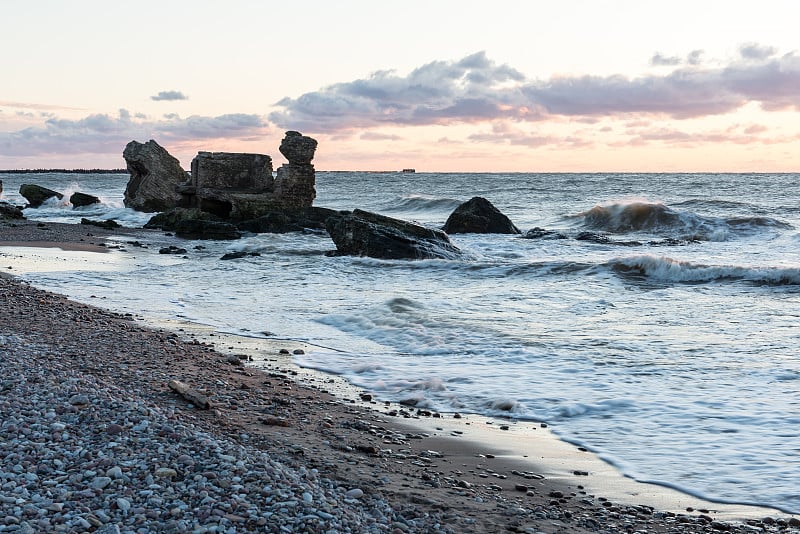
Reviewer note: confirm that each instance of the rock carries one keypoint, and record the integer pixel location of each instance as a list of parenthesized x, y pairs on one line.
[(354, 493), (203, 229), (100, 482), (294, 185), (9, 211), (155, 175), (282, 221), (110, 224), (123, 504), (362, 233), (82, 199), (36, 195), (172, 249), (169, 219), (238, 254), (165, 472), (479, 216), (297, 148), (542, 233)]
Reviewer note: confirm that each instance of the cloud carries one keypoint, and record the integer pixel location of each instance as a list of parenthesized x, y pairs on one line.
[(476, 89), (659, 60), (375, 136), (32, 105), (104, 133), (737, 134), (169, 95)]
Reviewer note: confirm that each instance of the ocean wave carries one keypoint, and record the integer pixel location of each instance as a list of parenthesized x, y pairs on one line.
[(421, 203), (671, 270), (656, 217)]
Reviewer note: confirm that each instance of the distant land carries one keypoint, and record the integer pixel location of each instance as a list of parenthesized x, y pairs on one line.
[(63, 171)]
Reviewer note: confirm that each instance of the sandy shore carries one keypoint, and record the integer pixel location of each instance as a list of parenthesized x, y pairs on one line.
[(437, 472)]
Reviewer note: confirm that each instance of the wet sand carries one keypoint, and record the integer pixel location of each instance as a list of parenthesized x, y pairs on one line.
[(467, 473)]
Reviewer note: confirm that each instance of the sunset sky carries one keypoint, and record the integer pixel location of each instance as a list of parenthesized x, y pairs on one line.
[(573, 85)]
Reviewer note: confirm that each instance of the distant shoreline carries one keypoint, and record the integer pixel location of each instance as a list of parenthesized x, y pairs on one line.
[(63, 171)]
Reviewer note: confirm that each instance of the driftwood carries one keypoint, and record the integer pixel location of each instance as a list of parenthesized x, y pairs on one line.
[(192, 395)]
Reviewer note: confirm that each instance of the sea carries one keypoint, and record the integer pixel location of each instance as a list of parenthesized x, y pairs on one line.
[(653, 319)]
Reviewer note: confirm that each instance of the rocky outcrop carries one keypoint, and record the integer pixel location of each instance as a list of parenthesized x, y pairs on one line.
[(36, 195), (282, 221), (155, 176), (168, 220), (82, 199), (362, 233), (295, 181), (9, 211), (204, 229), (479, 216)]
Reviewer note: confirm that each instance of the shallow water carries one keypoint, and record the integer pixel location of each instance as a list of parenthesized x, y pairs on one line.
[(666, 342)]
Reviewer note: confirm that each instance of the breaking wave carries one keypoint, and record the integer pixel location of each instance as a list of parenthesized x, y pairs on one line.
[(422, 203), (670, 270), (655, 217)]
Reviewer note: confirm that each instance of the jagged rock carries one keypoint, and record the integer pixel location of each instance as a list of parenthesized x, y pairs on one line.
[(543, 233), (294, 185), (36, 195), (82, 199), (155, 175), (297, 148), (288, 220), (362, 233), (204, 229), (9, 211), (479, 216)]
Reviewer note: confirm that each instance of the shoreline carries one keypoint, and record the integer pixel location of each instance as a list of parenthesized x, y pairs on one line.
[(416, 461)]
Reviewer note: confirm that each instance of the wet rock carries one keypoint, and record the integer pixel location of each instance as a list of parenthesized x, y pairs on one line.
[(155, 175), (36, 195), (110, 224), (205, 229), (541, 233), (9, 211), (479, 216), (285, 220), (237, 255), (82, 199), (172, 249), (362, 233)]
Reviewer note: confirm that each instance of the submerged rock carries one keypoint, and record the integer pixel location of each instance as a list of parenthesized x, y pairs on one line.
[(205, 229), (36, 195), (479, 216), (362, 233), (155, 176)]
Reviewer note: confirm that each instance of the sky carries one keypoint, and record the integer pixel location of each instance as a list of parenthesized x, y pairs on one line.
[(436, 85)]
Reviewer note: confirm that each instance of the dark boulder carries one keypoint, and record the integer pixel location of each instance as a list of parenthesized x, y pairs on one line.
[(82, 199), (297, 148), (204, 229), (543, 233), (9, 211), (479, 216), (36, 195), (155, 175), (288, 220), (362, 233), (109, 224), (169, 219)]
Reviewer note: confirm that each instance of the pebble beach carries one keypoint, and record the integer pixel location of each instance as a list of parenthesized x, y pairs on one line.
[(94, 439)]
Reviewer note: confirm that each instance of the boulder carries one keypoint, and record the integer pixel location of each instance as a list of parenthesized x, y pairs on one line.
[(297, 148), (281, 221), (108, 224), (362, 233), (168, 220), (36, 195), (82, 199), (204, 229), (9, 211), (155, 175), (479, 216)]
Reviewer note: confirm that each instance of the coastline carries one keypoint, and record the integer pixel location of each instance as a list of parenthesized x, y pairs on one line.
[(445, 471)]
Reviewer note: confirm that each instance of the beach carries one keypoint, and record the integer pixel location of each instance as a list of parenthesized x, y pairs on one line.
[(95, 439)]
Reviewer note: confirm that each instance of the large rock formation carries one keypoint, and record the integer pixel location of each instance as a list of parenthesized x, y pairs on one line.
[(479, 216), (362, 233), (36, 195), (155, 175), (295, 181)]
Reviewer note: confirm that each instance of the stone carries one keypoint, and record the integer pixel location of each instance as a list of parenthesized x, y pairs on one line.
[(281, 221), (168, 220), (362, 233), (203, 229), (354, 493), (100, 482), (155, 176), (165, 472), (82, 199), (109, 224), (297, 148), (294, 185), (9, 211), (479, 216), (36, 195)]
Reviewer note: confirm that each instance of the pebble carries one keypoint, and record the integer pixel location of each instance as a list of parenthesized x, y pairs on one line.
[(354, 493)]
